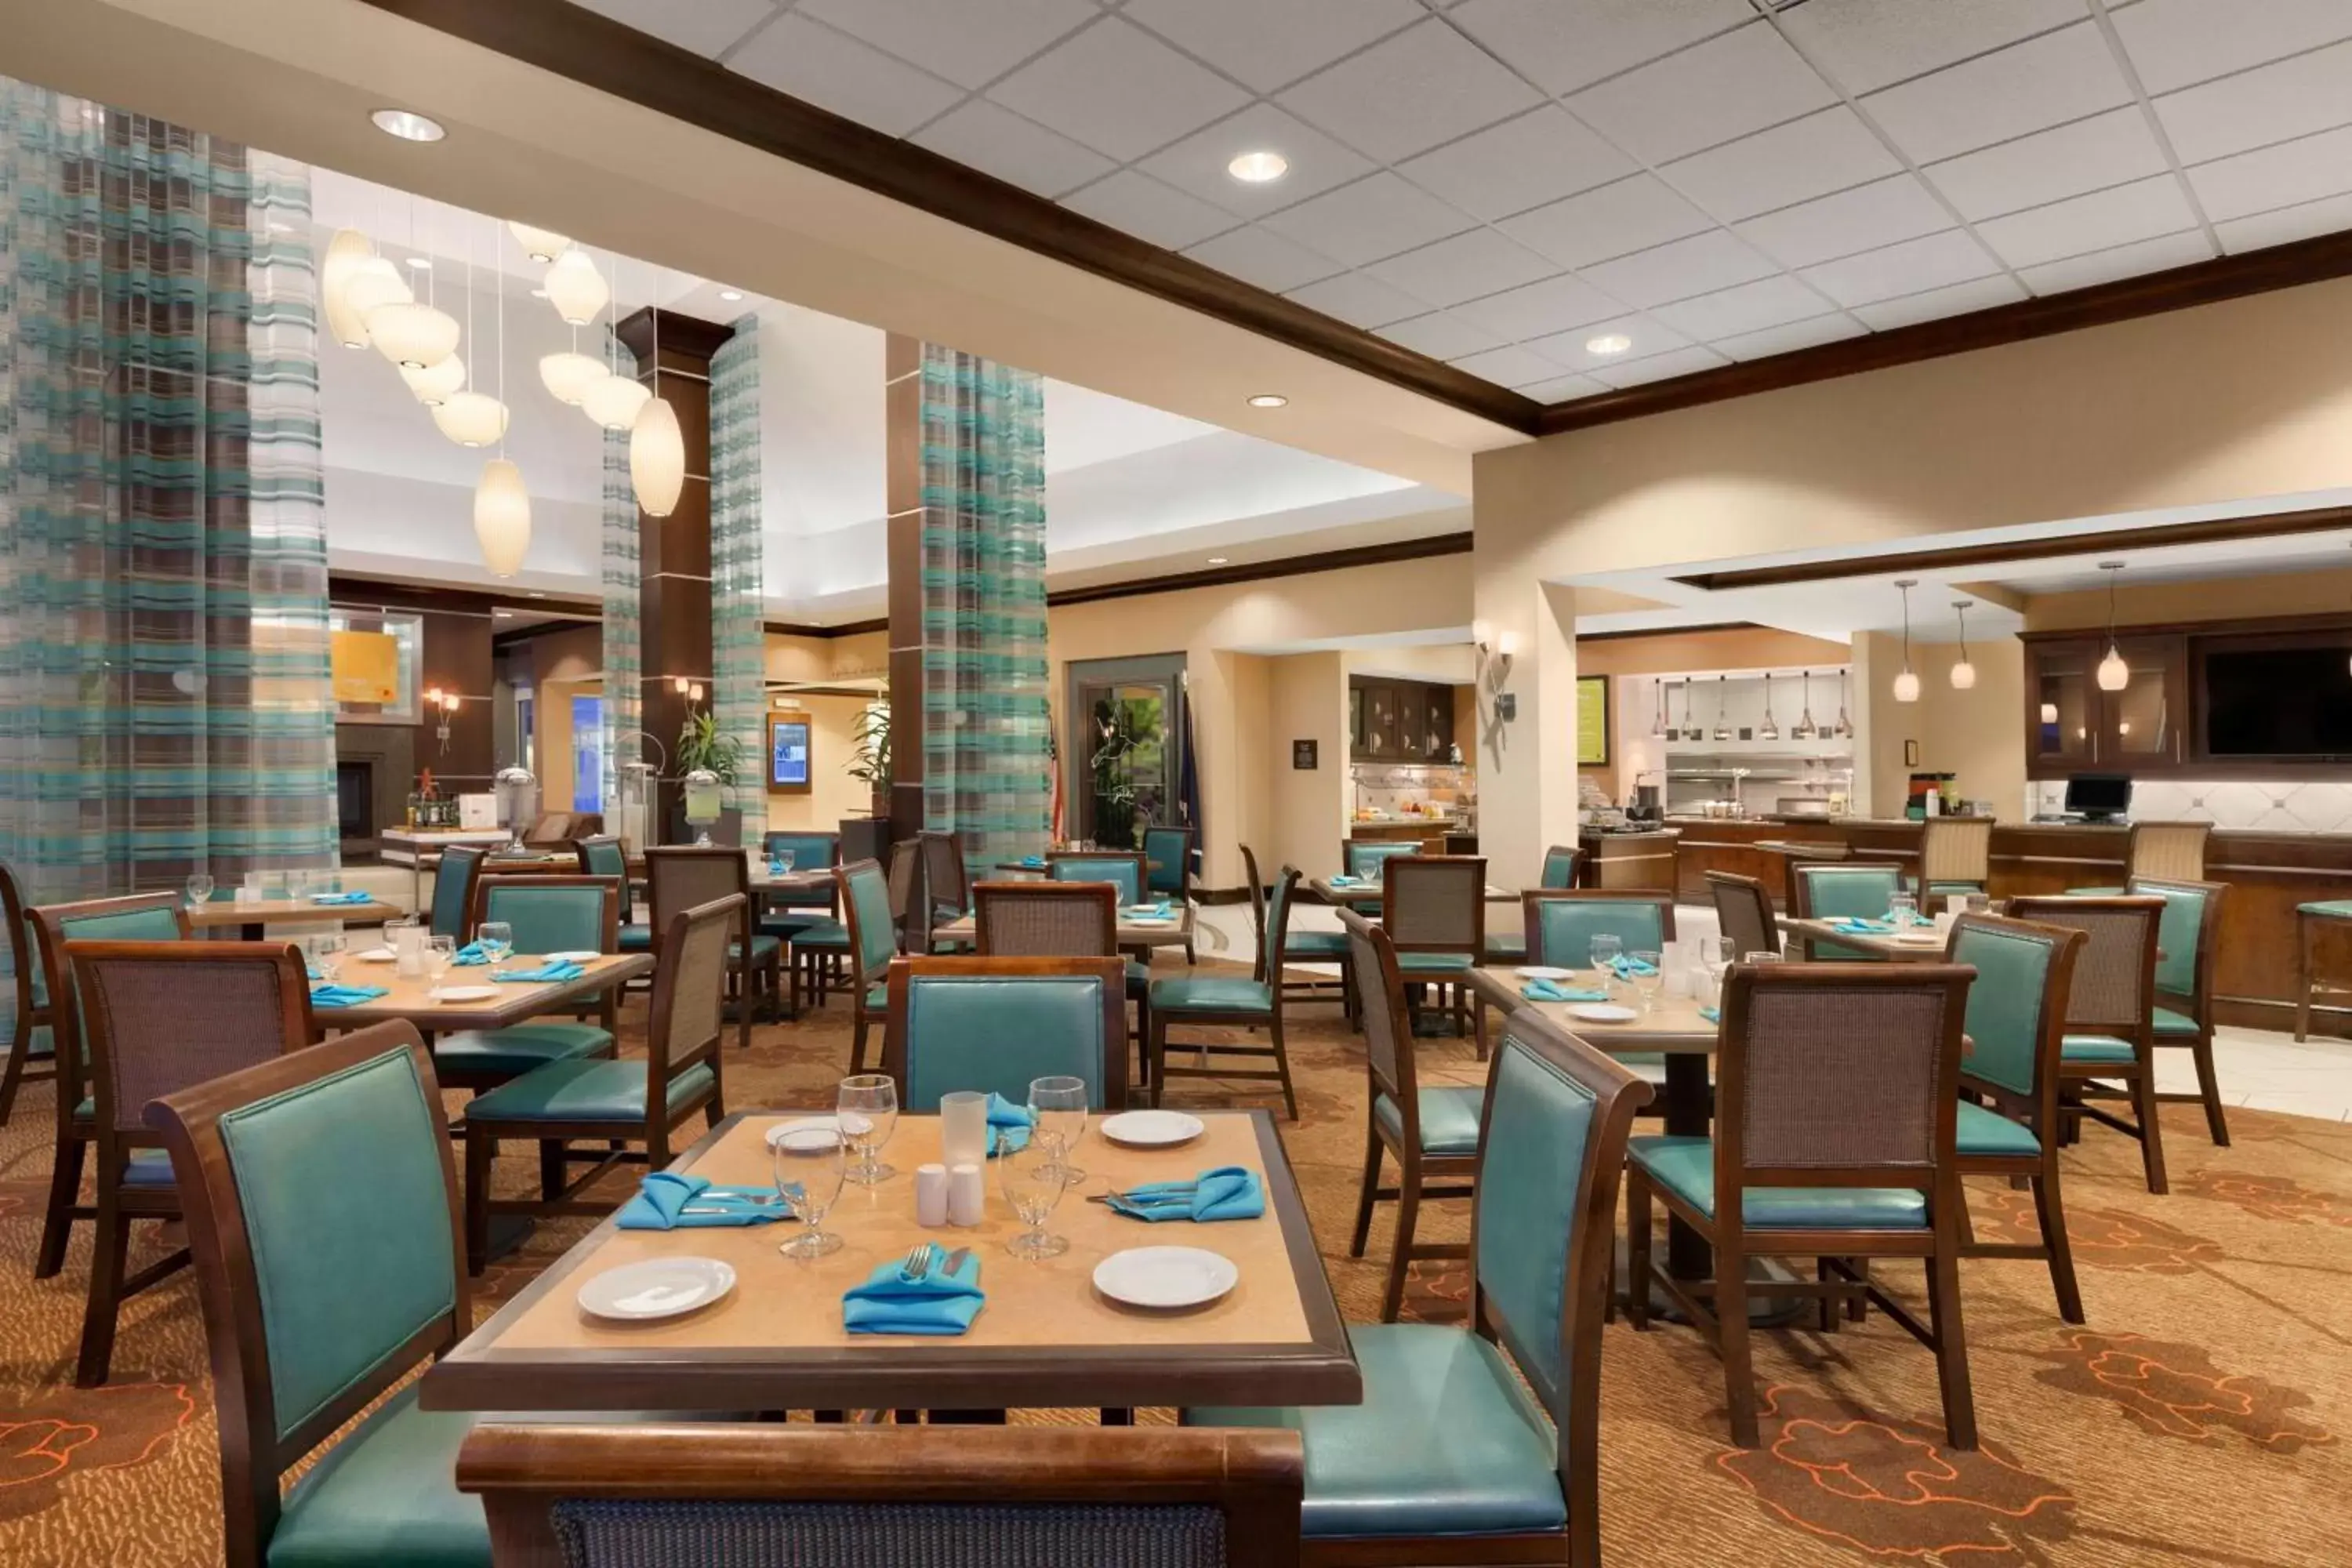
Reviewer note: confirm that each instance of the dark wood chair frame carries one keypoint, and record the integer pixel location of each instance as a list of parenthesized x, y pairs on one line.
[(253, 1457), (1937, 1244), (2198, 1005), (1468, 1019), (1110, 971), (2082, 1084), (1800, 902), (1053, 857), (1342, 990), (605, 1008), (1184, 878), (1156, 1070), (1722, 885), (742, 974), (861, 979), (24, 959), (947, 879), (984, 895)]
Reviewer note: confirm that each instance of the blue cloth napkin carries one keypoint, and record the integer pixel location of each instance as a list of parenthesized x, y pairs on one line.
[(471, 953), (1228, 1192), (1003, 1116), (1034, 862), (1712, 1015), (1625, 968), (939, 1303), (353, 897), (566, 970), (344, 995), (1552, 991), (1855, 925), (1344, 880), (664, 1197)]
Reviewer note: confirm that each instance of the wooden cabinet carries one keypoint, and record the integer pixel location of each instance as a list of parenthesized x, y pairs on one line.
[(1399, 720), (1380, 732), (2072, 726)]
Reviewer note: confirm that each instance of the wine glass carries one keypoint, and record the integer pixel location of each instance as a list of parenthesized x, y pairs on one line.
[(440, 952), (868, 1104), (811, 1161), (1649, 978), (1059, 1105), (781, 862), (1606, 948), (200, 887), (496, 938), (327, 955), (1033, 1176), (1902, 909), (1716, 954)]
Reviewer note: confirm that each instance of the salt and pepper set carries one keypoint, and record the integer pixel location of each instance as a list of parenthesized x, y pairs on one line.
[(953, 1191)]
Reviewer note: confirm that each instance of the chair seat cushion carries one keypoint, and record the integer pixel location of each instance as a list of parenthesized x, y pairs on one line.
[(2329, 909), (763, 948), (1373, 1470), (2097, 1048), (825, 934), (519, 1047), (582, 1092), (1314, 946), (1506, 947), (1449, 1119), (1210, 994), (1984, 1132), (2177, 1026), (877, 998), (40, 1045), (1412, 964), (1686, 1167), (2094, 893), (148, 1168)]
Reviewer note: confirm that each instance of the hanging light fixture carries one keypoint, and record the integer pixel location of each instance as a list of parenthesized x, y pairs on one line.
[(374, 281), (614, 401), (567, 376), (412, 335), (1806, 729), (501, 517), (471, 418), (434, 383), (1722, 725), (538, 244), (2113, 673), (1964, 674), (1906, 685), (345, 252), (576, 289), (1660, 731), (657, 446), (1770, 729)]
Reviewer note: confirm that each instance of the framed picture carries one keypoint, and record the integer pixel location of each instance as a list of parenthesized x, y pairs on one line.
[(1592, 721), (788, 754), (372, 661)]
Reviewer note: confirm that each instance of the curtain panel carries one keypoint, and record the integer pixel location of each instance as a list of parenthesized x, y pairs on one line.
[(622, 708), (739, 636)]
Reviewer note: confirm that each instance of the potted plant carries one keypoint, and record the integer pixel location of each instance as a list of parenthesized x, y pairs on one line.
[(702, 745), (869, 759)]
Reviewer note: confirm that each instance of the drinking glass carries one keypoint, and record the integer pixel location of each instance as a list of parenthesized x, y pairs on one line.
[(782, 861), (1605, 950), (200, 888), (1059, 1104), (868, 1104), (1980, 903), (496, 938), (812, 1162), (1902, 909), (1649, 979), (327, 955), (440, 952), (1033, 1177), (1716, 954), (1760, 958)]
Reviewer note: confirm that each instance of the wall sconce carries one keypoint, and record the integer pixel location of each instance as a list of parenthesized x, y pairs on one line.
[(443, 703), (691, 689), (1495, 651)]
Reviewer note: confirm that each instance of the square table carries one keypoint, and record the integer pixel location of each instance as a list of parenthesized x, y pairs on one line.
[(1046, 1338), (1356, 893), (1906, 947), (410, 996), (1132, 932), (249, 919)]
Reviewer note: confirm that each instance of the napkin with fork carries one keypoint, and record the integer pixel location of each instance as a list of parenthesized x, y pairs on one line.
[(1542, 990), (344, 995), (1227, 1191), (562, 970), (937, 1300), (671, 1200)]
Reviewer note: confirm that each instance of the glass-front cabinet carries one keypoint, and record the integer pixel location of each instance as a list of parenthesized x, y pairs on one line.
[(2073, 726)]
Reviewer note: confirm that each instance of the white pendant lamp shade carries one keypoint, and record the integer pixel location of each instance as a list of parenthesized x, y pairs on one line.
[(2049, 712), (538, 244), (412, 335), (657, 459), (2113, 673), (435, 384), (471, 418), (614, 402), (567, 376), (374, 281), (1964, 675), (344, 254), (576, 289), (503, 516), (1906, 686)]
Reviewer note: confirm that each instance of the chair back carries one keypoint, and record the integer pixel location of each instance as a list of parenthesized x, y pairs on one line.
[(2114, 992), (1362, 857), (2168, 851), (1121, 869), (905, 871), (1434, 903), (136, 917), (689, 1004), (1743, 908), (1168, 857), (1837, 1075), (866, 911), (1257, 906), (1562, 924), (603, 855), (682, 877), (1138, 1497), (946, 879), (1828, 890), (811, 851), (1955, 849), (1273, 934), (1559, 865), (321, 1208), (1031, 919), (2016, 1015), (23, 951), (2186, 936), (1388, 1025), (553, 914), (452, 891), (994, 1024), (1543, 1234)]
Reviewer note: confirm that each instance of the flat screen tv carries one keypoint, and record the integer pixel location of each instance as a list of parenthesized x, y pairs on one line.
[(2278, 701)]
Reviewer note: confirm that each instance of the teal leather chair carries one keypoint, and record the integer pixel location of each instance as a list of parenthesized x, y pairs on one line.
[(1227, 1003), (681, 877), (453, 893), (873, 943), (2187, 935), (2108, 1053), (1362, 859), (1121, 869), (994, 1024), (1168, 870), (1778, 1178), (2016, 1028), (31, 1045), (603, 855), (549, 915), (1560, 866), (1300, 947), (140, 917), (1833, 889), (786, 915), (820, 951), (1562, 924), (1448, 1460)]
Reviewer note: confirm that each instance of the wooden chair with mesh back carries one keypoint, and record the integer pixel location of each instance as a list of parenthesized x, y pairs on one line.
[(1435, 908), (905, 876), (1743, 908), (33, 1041), (1840, 1089), (642, 1497), (2186, 939), (615, 1103), (2108, 1052), (138, 916), (1563, 867), (1317, 947), (1030, 919), (2167, 851), (159, 1017), (680, 877), (947, 880), (1955, 857)]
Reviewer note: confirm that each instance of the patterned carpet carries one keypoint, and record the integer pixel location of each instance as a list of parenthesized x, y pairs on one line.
[(2198, 1420)]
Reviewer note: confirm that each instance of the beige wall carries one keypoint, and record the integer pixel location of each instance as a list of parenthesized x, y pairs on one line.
[(2210, 599), (831, 793), (1978, 735), (1307, 700)]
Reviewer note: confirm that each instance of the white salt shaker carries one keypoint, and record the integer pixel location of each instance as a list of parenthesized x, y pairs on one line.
[(967, 1195), (930, 1194)]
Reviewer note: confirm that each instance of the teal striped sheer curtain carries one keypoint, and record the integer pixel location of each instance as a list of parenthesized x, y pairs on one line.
[(165, 703), (623, 708), (739, 636), (987, 773)]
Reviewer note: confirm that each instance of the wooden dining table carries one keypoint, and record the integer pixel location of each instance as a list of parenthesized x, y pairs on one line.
[(249, 919), (1133, 931), (1046, 1337), (1369, 892), (413, 998), (1919, 944)]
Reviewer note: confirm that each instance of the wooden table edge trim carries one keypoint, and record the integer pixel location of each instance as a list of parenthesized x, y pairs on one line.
[(532, 999)]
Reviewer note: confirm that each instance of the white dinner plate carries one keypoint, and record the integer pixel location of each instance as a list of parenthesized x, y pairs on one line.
[(1165, 1277), (464, 993), (810, 1133), (576, 955), (376, 955), (1919, 938), (656, 1289), (1603, 1013), (1151, 1129), (1543, 971)]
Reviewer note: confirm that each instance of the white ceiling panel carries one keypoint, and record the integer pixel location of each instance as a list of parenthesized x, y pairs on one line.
[(2176, 42), (1865, 45), (1615, 220), (2014, 91), (1408, 93), (2120, 261), (1200, 162), (2100, 221), (835, 71), (1563, 388), (1913, 267), (1645, 335), (1790, 337), (1699, 265), (1442, 335), (1267, 46), (1374, 217), (2303, 222), (1255, 254), (970, 42), (1863, 218), (2288, 174), (1658, 367), (1463, 268), (1956, 299), (1511, 366), (1144, 208), (1771, 302), (998, 141), (1564, 44), (1361, 300), (1554, 305), (1730, 86), (2107, 149), (1788, 164), (1541, 156), (707, 28), (1118, 89), (2270, 104)]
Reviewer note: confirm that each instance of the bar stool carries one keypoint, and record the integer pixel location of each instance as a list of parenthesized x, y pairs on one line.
[(2309, 920)]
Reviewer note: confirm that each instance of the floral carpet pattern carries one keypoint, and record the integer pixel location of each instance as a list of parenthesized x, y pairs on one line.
[(2200, 1418)]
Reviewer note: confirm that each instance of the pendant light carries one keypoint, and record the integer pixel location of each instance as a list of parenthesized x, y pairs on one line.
[(345, 252), (1844, 730), (1770, 730), (1722, 728), (657, 446), (471, 418), (1806, 729), (576, 289), (501, 503), (1906, 685), (538, 244), (413, 334), (1964, 674), (374, 281), (568, 376), (2113, 673), (613, 401), (1691, 731), (433, 384), (1660, 731)]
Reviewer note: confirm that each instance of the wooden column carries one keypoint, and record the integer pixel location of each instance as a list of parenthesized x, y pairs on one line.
[(903, 379), (673, 551)]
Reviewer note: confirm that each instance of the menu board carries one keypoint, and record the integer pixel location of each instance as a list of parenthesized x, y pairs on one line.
[(788, 753), (1592, 721)]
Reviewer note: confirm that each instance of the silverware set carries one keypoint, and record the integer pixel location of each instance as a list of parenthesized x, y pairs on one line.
[(1156, 1195), (923, 1254)]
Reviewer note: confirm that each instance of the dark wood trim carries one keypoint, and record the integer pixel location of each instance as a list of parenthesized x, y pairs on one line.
[(846, 629), (689, 336), (2242, 626), (2290, 265), (345, 591), (1258, 571)]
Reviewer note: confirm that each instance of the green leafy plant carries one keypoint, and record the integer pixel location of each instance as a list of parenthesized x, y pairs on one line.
[(701, 743), (869, 759)]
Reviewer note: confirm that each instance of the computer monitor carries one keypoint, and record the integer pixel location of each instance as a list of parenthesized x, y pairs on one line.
[(2098, 797)]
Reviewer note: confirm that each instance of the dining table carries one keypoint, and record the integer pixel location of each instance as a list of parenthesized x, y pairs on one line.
[(422, 1000), (1135, 930), (249, 919), (1912, 945), (1045, 1337), (1364, 891)]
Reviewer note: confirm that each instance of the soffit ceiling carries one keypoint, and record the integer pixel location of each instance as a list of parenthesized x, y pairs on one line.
[(1497, 183)]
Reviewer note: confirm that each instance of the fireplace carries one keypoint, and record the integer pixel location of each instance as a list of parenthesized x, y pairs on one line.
[(374, 769), (354, 800)]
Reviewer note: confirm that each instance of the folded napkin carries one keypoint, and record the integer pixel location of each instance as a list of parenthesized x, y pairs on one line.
[(1344, 880), (471, 953), (344, 995), (353, 898), (1003, 1116), (1032, 862), (1712, 1015), (665, 1197), (1553, 991), (1625, 968), (939, 1303), (565, 970), (1855, 925), (1228, 1192)]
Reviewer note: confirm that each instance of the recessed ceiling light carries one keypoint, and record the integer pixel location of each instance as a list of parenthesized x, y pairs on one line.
[(1258, 168), (1268, 400), (407, 125), (422, 263), (1219, 560), (730, 294), (1608, 343)]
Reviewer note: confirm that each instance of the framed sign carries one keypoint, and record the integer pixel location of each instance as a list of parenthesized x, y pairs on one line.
[(1302, 755), (374, 658), (1592, 721), (788, 754)]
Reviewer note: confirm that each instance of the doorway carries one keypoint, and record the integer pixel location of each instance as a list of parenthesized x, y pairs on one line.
[(1123, 763)]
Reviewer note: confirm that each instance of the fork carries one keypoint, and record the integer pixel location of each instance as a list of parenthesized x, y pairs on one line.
[(917, 1264)]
